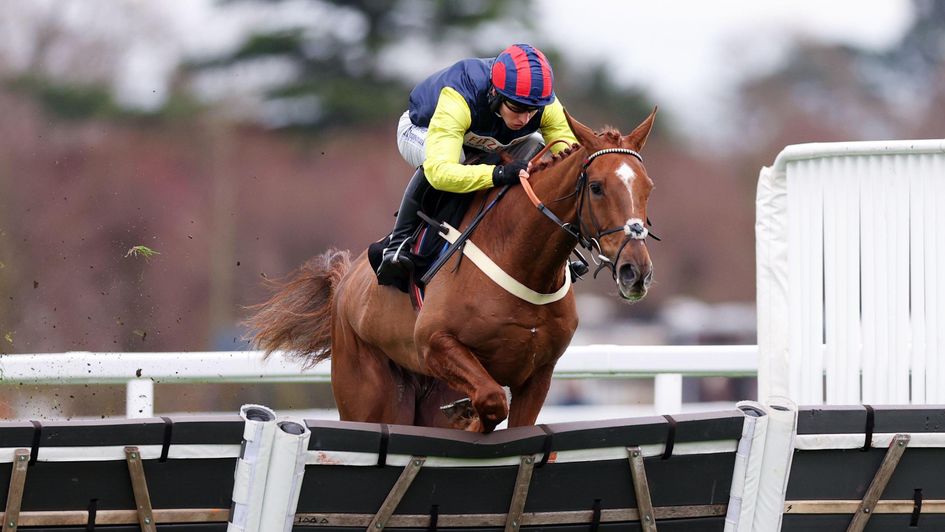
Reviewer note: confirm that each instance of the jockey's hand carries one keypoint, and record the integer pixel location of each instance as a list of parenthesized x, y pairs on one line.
[(508, 174)]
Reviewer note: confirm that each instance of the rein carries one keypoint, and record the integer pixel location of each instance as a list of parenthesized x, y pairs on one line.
[(460, 240), (634, 229)]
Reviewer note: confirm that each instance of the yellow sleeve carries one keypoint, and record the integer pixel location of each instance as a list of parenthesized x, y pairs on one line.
[(555, 126), (444, 147)]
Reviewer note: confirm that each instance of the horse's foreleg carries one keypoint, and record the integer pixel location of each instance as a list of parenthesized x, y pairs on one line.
[(528, 398), (445, 358)]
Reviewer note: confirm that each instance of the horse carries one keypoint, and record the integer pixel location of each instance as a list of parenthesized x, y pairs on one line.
[(394, 365)]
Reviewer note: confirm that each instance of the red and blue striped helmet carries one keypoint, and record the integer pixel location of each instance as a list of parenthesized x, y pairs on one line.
[(522, 74)]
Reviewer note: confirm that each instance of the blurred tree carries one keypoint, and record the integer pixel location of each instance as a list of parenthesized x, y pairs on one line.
[(67, 100), (920, 55), (595, 99), (72, 56), (826, 92), (337, 53)]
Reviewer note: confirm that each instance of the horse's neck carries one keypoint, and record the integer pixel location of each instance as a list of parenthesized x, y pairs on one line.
[(525, 242)]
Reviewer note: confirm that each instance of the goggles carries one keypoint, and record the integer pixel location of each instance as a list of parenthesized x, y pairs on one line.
[(516, 107)]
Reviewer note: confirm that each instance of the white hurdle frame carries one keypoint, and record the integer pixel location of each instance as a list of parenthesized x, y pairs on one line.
[(140, 371), (849, 253)]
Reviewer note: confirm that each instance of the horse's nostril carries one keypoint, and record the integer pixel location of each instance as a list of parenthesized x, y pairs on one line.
[(628, 273)]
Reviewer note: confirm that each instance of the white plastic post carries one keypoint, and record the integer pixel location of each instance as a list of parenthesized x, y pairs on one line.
[(284, 481), (139, 398), (667, 393), (252, 468)]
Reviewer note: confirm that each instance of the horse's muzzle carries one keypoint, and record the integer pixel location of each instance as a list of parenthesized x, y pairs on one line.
[(633, 280)]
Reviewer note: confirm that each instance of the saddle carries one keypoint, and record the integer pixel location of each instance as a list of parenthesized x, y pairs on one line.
[(427, 245), (426, 242)]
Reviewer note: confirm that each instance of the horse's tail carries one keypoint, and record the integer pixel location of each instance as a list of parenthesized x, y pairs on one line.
[(297, 318)]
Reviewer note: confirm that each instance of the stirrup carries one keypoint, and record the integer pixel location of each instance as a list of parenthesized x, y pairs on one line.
[(400, 254), (578, 270)]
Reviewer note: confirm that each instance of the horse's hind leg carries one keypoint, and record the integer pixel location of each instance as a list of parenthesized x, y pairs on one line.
[(436, 394), (449, 360), (366, 385)]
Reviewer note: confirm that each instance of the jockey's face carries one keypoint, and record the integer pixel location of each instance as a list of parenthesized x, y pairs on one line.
[(514, 115)]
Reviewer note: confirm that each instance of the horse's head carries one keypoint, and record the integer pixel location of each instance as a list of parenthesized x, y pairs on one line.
[(611, 210)]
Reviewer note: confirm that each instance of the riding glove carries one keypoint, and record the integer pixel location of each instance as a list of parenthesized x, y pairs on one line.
[(507, 174)]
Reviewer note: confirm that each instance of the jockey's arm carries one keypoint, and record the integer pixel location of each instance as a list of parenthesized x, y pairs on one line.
[(554, 126), (444, 147)]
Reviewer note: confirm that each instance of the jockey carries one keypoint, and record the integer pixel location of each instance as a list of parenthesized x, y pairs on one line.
[(499, 103)]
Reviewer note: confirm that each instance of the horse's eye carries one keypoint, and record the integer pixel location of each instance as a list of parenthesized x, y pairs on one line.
[(597, 189)]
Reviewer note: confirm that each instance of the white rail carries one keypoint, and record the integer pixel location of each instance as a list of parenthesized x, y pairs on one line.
[(140, 371)]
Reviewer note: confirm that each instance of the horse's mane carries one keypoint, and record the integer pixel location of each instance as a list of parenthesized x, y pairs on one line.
[(609, 133), (555, 158)]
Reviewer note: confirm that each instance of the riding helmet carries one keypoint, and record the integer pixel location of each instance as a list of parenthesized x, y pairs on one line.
[(522, 74)]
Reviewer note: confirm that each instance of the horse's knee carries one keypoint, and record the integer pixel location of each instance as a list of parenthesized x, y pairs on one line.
[(439, 345)]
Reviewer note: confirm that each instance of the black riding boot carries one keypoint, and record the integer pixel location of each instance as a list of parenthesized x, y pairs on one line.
[(396, 263)]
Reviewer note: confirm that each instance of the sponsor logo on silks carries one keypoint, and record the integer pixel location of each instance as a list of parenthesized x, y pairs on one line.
[(410, 134), (488, 143)]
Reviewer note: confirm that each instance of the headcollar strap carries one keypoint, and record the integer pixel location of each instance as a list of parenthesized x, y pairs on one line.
[(633, 229)]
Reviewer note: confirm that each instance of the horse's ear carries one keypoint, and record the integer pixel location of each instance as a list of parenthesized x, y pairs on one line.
[(637, 138), (585, 135)]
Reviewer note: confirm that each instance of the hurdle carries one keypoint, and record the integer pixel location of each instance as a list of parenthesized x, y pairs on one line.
[(849, 251), (849, 254)]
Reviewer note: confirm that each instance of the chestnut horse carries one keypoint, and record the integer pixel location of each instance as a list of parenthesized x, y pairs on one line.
[(471, 337)]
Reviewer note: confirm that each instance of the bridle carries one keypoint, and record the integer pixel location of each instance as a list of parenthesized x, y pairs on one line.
[(634, 229)]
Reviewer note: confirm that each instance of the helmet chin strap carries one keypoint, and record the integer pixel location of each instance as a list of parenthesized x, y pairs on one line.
[(495, 100)]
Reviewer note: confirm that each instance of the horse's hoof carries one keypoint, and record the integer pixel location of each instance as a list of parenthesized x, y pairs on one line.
[(462, 416), (492, 409), (461, 408), (460, 413)]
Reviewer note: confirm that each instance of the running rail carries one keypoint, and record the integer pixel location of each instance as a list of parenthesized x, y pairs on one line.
[(140, 371)]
